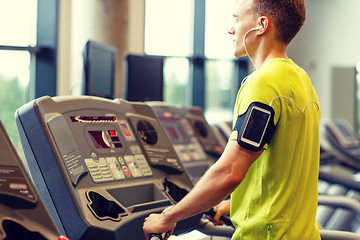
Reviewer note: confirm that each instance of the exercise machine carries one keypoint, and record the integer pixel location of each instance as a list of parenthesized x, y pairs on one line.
[(23, 214), (101, 166)]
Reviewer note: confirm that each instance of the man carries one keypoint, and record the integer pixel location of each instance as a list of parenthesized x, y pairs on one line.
[(270, 164)]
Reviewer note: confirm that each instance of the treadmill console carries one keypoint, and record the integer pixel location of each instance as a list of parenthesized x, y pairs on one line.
[(103, 166), (342, 133), (19, 199), (204, 132), (109, 152), (339, 139), (191, 136)]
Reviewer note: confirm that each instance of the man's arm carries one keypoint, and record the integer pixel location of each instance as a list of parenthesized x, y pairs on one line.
[(217, 183)]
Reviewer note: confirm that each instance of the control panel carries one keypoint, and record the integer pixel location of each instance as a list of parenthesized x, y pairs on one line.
[(19, 199), (191, 136), (109, 153), (338, 138), (204, 132), (103, 165)]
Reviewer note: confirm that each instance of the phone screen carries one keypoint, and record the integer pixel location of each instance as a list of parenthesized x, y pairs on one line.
[(256, 125)]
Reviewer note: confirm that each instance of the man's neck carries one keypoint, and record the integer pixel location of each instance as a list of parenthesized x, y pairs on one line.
[(267, 51)]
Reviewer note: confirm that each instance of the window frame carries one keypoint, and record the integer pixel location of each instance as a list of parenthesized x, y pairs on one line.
[(197, 69), (44, 53)]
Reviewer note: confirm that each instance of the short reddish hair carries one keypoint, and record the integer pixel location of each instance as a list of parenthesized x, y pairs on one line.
[(288, 15)]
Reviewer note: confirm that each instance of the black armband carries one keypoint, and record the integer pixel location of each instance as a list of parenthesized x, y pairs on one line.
[(256, 126)]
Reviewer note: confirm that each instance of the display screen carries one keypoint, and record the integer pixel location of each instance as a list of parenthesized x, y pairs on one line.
[(112, 133), (172, 133), (100, 67), (255, 127), (93, 119), (144, 78), (125, 129), (99, 139), (182, 132)]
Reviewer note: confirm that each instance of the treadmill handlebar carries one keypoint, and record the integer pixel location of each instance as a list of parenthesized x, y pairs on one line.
[(208, 228), (336, 235), (340, 201), (225, 219), (339, 179), (156, 236)]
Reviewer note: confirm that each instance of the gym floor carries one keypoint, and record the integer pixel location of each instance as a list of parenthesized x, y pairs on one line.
[(196, 235)]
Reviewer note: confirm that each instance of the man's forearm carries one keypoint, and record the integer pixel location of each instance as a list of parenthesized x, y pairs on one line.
[(213, 187), (216, 184)]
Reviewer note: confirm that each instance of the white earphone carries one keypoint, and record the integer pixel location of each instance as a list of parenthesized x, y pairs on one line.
[(256, 28), (244, 42)]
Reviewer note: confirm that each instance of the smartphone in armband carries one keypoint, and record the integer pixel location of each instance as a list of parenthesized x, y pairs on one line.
[(255, 127)]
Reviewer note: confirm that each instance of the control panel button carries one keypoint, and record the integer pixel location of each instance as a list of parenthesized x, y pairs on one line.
[(135, 149), (121, 160), (115, 168), (99, 171), (126, 171), (143, 165), (134, 168)]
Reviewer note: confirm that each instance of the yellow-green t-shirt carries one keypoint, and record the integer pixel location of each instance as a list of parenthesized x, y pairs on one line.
[(278, 197)]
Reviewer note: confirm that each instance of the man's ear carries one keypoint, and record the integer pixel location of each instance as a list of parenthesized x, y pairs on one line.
[(263, 23)]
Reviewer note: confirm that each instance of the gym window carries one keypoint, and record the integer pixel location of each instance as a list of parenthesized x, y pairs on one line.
[(199, 68), (28, 44)]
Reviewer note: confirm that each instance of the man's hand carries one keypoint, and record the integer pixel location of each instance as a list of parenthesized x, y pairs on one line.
[(157, 223), (222, 209)]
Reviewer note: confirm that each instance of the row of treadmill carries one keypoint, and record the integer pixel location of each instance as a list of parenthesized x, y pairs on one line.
[(95, 168)]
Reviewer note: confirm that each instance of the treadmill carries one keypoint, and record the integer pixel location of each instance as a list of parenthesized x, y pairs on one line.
[(339, 166), (23, 214), (339, 139), (101, 166)]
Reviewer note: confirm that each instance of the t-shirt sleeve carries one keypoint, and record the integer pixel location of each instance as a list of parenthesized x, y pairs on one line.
[(258, 88)]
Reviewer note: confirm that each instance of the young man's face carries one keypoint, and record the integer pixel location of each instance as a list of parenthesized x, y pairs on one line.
[(243, 22)]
